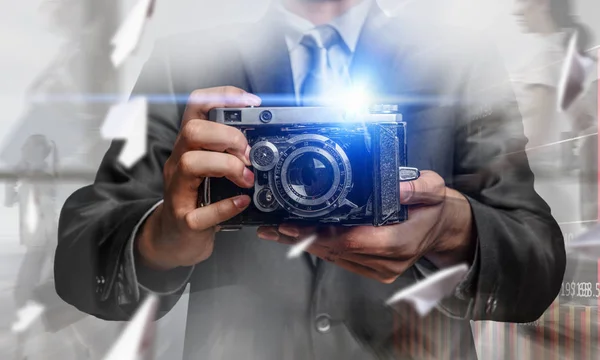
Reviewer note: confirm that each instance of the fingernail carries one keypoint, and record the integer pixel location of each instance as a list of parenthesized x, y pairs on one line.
[(289, 230), (252, 100), (241, 201), (247, 155), (268, 235), (248, 176)]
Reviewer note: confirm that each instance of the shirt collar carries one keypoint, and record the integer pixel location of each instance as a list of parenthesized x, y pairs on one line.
[(348, 25)]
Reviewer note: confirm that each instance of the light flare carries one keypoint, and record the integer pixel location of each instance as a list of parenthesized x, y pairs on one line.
[(298, 249)]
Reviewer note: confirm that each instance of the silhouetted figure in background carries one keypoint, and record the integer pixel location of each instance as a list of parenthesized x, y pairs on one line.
[(563, 151), (35, 193), (545, 126)]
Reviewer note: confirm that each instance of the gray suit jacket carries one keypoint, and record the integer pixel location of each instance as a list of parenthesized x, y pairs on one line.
[(247, 300)]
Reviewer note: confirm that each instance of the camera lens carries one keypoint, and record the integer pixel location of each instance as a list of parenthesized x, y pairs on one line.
[(311, 175), (266, 116)]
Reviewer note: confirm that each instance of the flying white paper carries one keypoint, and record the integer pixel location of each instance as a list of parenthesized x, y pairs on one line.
[(426, 294), (27, 315), (129, 33), (135, 342), (128, 121), (587, 244), (299, 248), (31, 213), (571, 83)]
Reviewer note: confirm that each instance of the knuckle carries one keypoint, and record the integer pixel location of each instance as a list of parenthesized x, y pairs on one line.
[(433, 181), (231, 90), (190, 131), (227, 89), (234, 165), (190, 221), (237, 140), (411, 190), (179, 215), (420, 186), (396, 269), (196, 95), (186, 163)]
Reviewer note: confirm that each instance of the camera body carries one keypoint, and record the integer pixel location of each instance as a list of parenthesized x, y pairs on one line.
[(317, 166)]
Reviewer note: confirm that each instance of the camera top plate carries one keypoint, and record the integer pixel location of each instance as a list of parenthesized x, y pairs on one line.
[(278, 116)]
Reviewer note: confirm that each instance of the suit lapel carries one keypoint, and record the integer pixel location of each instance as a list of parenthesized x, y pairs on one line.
[(379, 58), (373, 57), (267, 63)]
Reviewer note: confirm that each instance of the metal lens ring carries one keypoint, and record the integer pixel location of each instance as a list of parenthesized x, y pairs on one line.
[(264, 155), (313, 176)]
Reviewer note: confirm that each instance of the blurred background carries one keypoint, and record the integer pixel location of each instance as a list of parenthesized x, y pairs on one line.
[(60, 46)]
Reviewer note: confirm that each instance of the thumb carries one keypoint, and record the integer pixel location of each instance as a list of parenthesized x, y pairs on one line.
[(428, 189)]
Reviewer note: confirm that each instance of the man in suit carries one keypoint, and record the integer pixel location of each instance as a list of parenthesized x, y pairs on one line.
[(139, 230)]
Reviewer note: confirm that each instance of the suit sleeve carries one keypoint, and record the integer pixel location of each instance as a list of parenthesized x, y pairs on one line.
[(97, 221), (520, 257)]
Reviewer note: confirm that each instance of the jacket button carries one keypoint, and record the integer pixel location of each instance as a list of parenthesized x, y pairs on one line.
[(323, 323)]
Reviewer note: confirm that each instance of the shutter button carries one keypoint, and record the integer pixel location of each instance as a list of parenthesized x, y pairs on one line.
[(323, 323)]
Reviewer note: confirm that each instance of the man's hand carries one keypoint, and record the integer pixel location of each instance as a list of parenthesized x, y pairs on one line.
[(439, 227), (178, 233)]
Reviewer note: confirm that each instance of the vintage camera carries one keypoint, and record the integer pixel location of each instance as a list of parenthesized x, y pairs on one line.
[(318, 165)]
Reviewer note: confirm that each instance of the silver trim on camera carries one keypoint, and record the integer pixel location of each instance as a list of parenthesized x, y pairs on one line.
[(408, 173), (205, 195), (331, 161), (255, 198), (304, 115), (260, 145)]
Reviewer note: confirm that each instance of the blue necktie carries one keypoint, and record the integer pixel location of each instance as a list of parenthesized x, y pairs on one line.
[(320, 79)]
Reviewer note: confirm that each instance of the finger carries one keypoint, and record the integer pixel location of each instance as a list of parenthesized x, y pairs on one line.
[(380, 241), (288, 233), (214, 214), (351, 266), (203, 164), (386, 267), (382, 264), (272, 233), (296, 231), (194, 166), (207, 135), (202, 101), (268, 233), (428, 189)]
